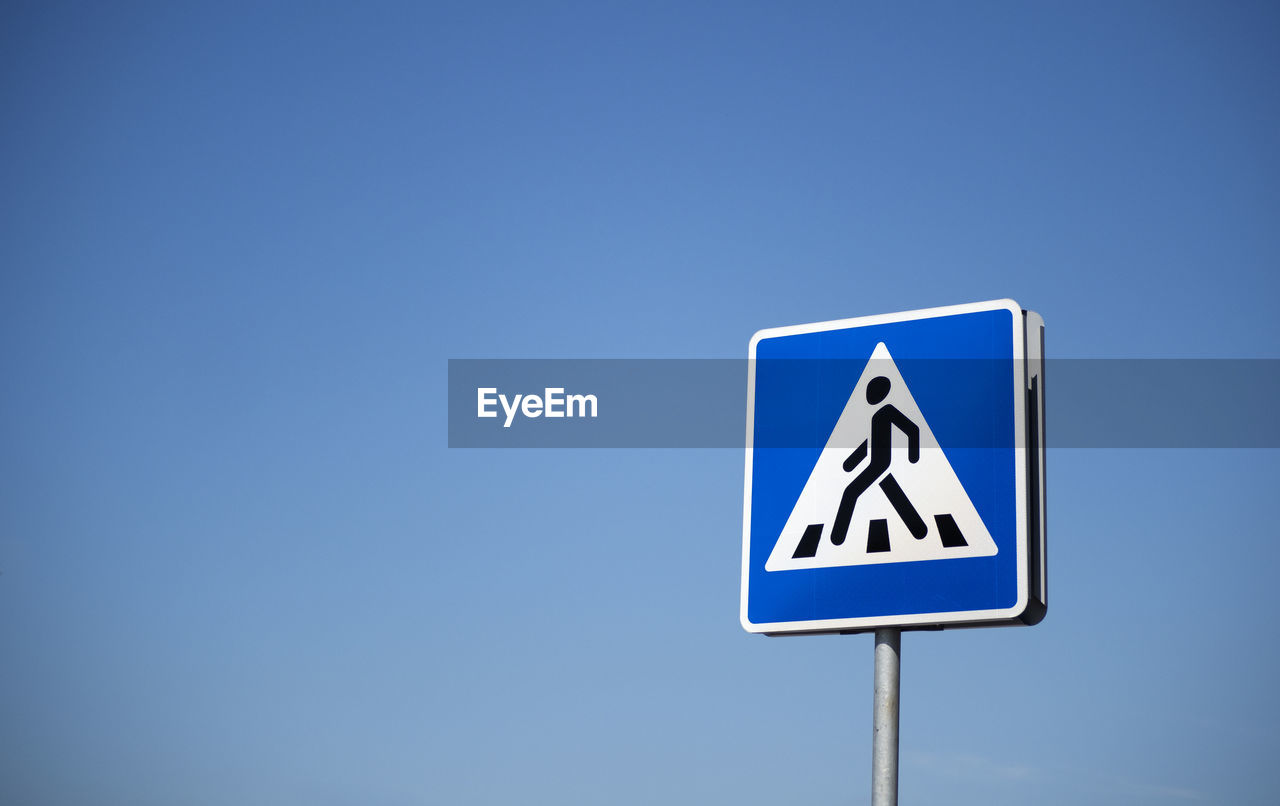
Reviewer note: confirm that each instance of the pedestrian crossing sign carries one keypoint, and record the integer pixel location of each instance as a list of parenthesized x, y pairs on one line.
[(895, 472)]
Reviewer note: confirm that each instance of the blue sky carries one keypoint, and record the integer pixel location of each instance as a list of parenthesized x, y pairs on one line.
[(238, 563)]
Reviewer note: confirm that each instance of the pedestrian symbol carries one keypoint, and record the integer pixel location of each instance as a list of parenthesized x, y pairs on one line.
[(872, 499)]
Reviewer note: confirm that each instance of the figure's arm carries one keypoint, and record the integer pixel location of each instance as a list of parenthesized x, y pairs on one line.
[(913, 434), (856, 457)]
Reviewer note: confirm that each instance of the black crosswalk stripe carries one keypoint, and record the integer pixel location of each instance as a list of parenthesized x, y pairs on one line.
[(951, 536), (878, 535)]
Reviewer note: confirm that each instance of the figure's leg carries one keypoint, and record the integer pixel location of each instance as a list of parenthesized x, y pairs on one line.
[(902, 505), (860, 484)]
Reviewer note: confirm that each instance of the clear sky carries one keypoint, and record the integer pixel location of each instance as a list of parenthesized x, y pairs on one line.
[(238, 243)]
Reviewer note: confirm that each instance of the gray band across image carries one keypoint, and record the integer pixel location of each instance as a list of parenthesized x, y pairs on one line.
[(702, 403)]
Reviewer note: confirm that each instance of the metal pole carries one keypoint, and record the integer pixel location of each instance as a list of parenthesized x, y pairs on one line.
[(884, 735)]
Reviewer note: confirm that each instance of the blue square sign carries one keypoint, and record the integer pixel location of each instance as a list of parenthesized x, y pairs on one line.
[(895, 472)]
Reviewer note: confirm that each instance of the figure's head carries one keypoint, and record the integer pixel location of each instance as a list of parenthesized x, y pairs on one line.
[(878, 389)]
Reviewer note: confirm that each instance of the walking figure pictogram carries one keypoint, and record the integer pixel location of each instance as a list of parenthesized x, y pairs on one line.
[(881, 444), (912, 488)]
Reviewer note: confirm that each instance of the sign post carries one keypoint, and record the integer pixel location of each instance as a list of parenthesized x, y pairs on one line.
[(895, 481), (884, 730)]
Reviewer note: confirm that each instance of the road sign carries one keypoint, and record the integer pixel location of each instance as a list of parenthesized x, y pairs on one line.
[(895, 472)]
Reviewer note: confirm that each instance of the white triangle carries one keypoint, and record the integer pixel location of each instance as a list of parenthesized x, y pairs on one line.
[(930, 484)]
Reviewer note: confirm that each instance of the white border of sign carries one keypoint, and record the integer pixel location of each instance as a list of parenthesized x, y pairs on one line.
[(957, 618)]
